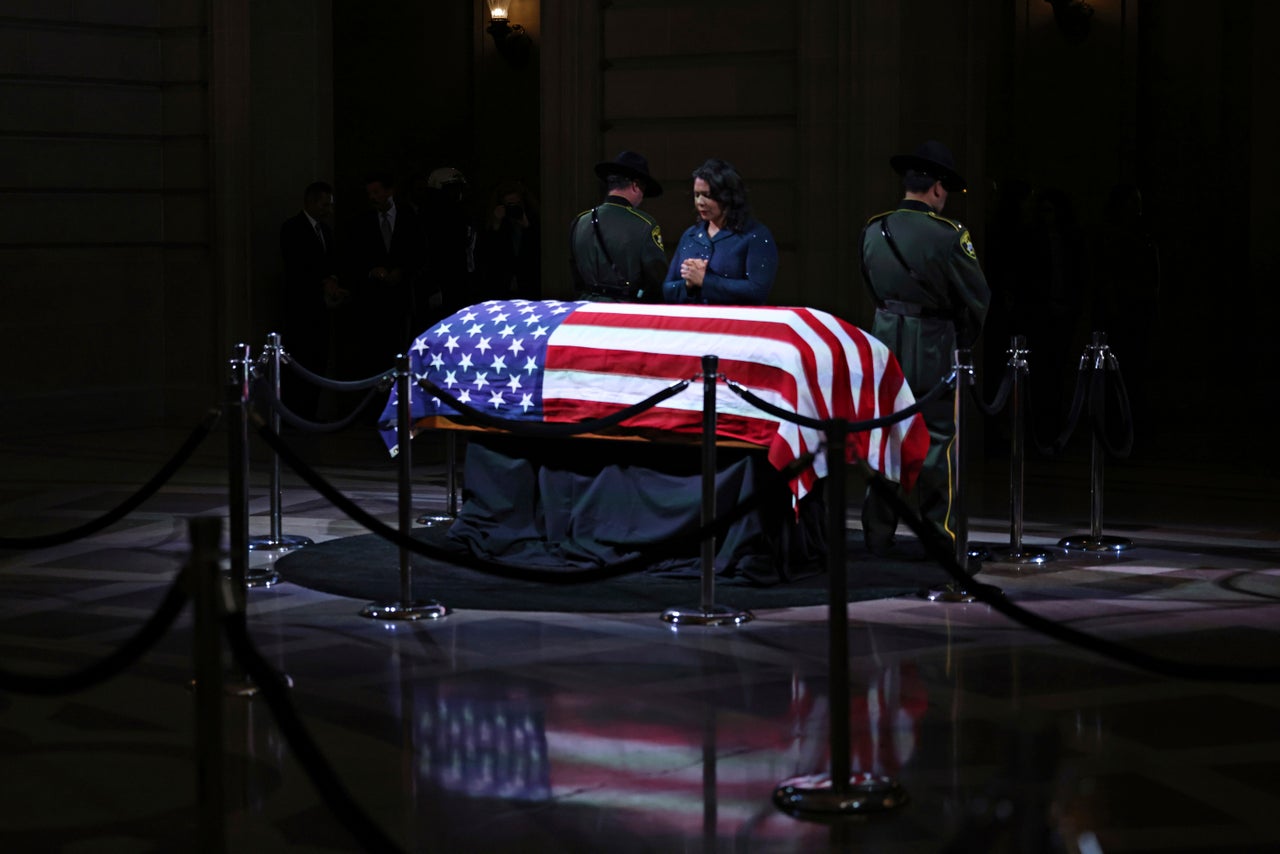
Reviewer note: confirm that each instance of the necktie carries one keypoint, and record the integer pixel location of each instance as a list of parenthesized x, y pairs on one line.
[(320, 235), (386, 231)]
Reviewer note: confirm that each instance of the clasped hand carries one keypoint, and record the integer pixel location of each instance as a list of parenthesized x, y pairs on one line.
[(693, 271)]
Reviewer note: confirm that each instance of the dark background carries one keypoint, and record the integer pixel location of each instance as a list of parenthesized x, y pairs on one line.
[(149, 152)]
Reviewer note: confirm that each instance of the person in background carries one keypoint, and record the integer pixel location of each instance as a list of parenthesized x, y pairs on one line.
[(450, 237), (615, 249), (508, 255), (931, 297), (389, 258), (311, 289), (726, 257)]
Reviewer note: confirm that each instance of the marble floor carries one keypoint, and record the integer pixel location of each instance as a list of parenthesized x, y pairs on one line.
[(577, 732)]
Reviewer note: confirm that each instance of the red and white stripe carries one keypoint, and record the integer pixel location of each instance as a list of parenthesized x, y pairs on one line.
[(607, 356)]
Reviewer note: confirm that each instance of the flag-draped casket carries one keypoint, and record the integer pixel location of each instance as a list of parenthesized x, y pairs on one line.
[(561, 362)]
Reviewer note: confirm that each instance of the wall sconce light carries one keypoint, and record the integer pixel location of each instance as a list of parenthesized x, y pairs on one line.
[(512, 42)]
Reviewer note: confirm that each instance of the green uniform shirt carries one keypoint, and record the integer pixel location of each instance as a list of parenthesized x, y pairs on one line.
[(930, 296), (923, 318), (632, 239)]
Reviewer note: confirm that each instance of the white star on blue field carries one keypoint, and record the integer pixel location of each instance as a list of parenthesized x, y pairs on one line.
[(489, 356)]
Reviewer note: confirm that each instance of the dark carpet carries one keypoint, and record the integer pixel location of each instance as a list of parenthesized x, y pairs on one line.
[(367, 567)]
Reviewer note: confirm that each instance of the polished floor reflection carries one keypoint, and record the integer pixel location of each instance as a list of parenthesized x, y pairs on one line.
[(537, 731)]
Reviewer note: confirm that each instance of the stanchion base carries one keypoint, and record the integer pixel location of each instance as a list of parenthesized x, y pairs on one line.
[(240, 689), (1022, 558), (1095, 544), (814, 798), (259, 577), (435, 520), (248, 688), (955, 593), (243, 686), (285, 543), (716, 615), (978, 551), (418, 610)]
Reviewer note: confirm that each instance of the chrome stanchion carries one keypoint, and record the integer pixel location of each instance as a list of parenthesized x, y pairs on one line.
[(953, 591), (708, 613), (206, 580), (240, 576), (276, 540), (1016, 554), (238, 465), (966, 552), (1099, 354), (405, 608), (433, 520), (839, 794)]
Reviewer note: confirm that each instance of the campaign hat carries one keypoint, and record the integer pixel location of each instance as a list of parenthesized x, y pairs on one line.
[(443, 176), (934, 159), (631, 165)]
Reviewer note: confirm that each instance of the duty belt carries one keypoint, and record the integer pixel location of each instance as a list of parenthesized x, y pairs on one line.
[(598, 291), (913, 309)]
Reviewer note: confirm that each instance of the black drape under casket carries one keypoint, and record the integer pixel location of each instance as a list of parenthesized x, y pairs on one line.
[(574, 504)]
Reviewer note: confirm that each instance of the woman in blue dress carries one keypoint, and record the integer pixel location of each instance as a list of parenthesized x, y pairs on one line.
[(727, 257)]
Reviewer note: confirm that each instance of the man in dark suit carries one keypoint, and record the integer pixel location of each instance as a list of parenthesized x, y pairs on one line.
[(389, 258), (311, 288)]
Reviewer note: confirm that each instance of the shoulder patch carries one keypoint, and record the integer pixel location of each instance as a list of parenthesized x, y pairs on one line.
[(966, 243), (656, 234)]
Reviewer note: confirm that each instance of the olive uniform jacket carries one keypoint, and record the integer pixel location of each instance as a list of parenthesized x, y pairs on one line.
[(930, 294), (632, 239)]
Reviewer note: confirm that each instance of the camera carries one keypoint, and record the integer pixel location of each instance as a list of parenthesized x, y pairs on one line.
[(515, 212)]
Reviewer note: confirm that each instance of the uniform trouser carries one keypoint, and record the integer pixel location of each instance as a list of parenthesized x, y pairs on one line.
[(934, 491)]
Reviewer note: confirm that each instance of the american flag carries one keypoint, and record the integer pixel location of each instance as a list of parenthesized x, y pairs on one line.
[(562, 362), (593, 741)]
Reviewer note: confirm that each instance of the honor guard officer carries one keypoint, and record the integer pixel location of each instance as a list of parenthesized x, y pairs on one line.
[(616, 251), (931, 297)]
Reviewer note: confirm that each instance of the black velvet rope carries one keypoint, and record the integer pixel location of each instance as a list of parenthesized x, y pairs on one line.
[(1002, 394), (336, 385), (854, 426), (321, 774), (544, 430), (114, 663), (940, 549), (636, 561), (1126, 414), (291, 418), (1073, 417), (168, 470)]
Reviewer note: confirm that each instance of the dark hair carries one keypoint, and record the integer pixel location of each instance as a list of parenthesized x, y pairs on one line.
[(727, 188), (315, 190), (915, 181), (618, 182), (505, 186)]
